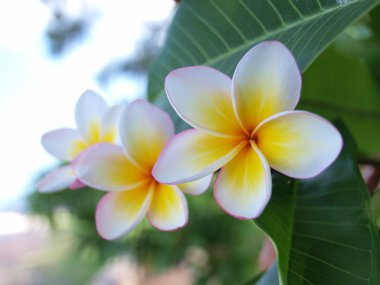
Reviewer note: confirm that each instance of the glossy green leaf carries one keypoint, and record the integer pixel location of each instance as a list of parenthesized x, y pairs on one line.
[(339, 85), (323, 228), (218, 33)]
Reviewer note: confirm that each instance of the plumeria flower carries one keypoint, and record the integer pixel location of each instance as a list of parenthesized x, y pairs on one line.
[(245, 126), (96, 122), (125, 172)]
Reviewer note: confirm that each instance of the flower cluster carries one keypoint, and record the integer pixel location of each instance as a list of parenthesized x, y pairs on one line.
[(243, 126), (96, 122)]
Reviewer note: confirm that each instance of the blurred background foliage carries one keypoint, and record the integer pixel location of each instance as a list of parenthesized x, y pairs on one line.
[(213, 244), (65, 28)]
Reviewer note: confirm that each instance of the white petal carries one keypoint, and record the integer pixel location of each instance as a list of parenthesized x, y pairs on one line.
[(243, 187), (89, 111), (110, 124), (57, 180), (64, 143), (105, 166), (168, 210), (201, 96), (144, 131), (196, 187), (299, 144), (119, 212), (193, 154), (266, 81)]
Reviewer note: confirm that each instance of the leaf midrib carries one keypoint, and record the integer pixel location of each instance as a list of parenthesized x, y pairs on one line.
[(289, 25)]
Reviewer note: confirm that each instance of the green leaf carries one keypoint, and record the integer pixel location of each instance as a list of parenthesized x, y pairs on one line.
[(218, 33), (323, 228), (339, 85)]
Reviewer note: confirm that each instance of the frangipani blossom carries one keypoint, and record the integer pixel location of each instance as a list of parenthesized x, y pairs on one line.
[(125, 172), (96, 122), (245, 126)]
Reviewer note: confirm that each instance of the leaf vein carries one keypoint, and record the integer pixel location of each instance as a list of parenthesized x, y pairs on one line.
[(209, 26), (277, 12), (331, 265), (195, 42), (254, 16), (330, 241), (238, 31)]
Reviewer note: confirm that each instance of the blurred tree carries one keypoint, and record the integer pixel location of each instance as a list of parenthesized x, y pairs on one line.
[(139, 61), (67, 25)]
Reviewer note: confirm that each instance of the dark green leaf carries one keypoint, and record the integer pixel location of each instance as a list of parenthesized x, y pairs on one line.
[(218, 33), (338, 85), (322, 227)]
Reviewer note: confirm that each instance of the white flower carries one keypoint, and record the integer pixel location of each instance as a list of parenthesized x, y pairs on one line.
[(96, 122)]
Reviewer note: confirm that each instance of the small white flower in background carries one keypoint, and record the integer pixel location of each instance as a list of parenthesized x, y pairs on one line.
[(96, 122)]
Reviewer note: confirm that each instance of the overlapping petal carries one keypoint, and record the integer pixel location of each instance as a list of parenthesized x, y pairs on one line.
[(196, 187), (201, 97), (298, 143), (57, 180), (119, 212), (89, 111), (64, 143), (193, 154), (104, 166), (266, 81), (243, 187), (168, 210), (110, 124), (77, 184), (144, 131)]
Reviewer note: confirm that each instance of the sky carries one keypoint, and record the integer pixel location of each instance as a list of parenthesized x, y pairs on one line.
[(38, 93)]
